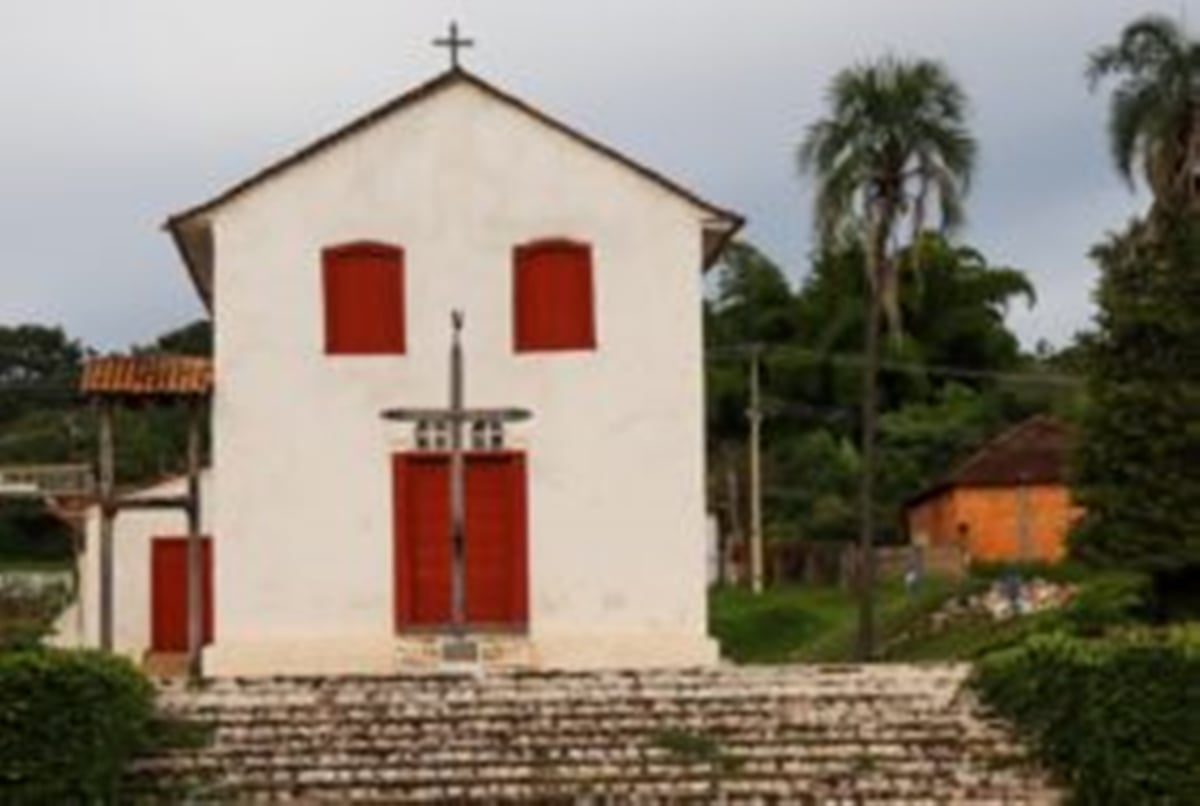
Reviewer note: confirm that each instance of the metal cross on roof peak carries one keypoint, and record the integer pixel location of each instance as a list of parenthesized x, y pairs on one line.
[(454, 43)]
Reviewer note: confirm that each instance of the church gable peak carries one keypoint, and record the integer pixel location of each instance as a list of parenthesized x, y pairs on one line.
[(190, 228)]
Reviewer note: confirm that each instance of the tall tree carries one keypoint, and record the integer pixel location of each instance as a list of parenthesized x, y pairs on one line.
[(1154, 116), (1136, 473), (894, 144)]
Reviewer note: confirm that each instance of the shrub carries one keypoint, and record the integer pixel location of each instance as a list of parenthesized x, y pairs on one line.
[(1108, 601), (28, 611), (1119, 718), (29, 531), (69, 722)]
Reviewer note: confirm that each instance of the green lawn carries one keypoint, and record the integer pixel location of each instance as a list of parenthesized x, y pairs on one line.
[(810, 624)]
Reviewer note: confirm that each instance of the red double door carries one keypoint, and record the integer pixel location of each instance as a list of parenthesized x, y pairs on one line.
[(496, 541)]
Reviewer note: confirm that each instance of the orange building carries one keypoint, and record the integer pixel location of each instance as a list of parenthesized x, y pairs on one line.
[(1009, 502)]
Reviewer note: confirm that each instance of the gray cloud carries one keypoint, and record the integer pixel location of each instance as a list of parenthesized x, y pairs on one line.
[(118, 113)]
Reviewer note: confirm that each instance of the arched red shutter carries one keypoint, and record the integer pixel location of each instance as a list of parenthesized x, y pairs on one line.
[(553, 299), (364, 299)]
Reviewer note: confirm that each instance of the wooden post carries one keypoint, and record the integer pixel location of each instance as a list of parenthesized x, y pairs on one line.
[(108, 513), (754, 414), (195, 560)]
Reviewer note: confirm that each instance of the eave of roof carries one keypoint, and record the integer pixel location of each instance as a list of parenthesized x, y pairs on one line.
[(725, 223)]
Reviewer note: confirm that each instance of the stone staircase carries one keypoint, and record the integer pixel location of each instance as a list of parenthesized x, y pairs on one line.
[(833, 734)]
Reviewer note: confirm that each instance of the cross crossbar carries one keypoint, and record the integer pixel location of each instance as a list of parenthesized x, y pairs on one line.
[(508, 415)]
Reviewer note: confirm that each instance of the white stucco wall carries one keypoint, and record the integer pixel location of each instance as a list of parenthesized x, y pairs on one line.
[(132, 534), (615, 450)]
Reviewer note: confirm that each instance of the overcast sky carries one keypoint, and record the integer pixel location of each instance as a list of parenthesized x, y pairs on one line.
[(117, 113)]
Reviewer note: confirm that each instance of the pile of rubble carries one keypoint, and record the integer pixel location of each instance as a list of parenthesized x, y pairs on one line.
[(1005, 599)]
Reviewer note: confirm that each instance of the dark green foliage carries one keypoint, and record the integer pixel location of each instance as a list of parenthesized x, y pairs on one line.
[(821, 470), (1137, 472), (191, 339), (1118, 718), (1107, 602), (923, 442), (43, 420), (69, 722), (29, 532), (952, 304), (28, 611), (39, 368)]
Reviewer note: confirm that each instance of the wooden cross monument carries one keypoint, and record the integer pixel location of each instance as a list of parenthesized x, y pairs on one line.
[(455, 418)]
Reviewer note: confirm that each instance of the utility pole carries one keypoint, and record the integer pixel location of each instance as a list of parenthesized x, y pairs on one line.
[(754, 415), (107, 513), (195, 548), (735, 536)]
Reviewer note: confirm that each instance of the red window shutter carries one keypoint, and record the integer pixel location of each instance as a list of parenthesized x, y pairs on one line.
[(553, 300), (364, 299)]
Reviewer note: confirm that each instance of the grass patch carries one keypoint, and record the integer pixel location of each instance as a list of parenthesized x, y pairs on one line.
[(769, 627), (971, 638), (687, 745), (811, 624), (168, 733)]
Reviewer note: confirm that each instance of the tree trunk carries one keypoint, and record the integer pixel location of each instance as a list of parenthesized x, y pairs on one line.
[(866, 538), (870, 413)]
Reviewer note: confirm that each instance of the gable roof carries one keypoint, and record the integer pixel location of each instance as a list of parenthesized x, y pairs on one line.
[(1035, 451), (194, 243)]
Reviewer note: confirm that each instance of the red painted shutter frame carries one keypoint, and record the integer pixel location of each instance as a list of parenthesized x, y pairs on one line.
[(553, 296), (364, 299)]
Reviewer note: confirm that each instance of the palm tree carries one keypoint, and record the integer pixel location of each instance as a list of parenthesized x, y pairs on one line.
[(1154, 116), (895, 143)]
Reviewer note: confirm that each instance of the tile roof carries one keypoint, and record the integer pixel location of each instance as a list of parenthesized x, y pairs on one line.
[(1035, 451), (148, 375)]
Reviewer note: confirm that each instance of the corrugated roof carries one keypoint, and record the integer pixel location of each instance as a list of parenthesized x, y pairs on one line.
[(1035, 451), (148, 375)]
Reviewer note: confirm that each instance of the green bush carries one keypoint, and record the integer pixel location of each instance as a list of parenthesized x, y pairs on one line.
[(1118, 718), (29, 531), (1109, 601), (28, 611), (69, 722)]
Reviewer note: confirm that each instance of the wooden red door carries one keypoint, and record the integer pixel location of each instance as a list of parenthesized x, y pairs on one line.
[(496, 553), (168, 593)]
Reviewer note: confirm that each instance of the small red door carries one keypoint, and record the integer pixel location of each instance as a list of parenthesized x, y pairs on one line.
[(168, 593), (496, 554)]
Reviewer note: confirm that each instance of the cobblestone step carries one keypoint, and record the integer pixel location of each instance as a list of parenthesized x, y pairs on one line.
[(878, 734)]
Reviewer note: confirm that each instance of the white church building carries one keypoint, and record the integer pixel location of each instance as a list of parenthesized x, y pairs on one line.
[(330, 277)]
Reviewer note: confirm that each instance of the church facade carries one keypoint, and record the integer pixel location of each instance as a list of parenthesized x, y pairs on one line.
[(331, 278)]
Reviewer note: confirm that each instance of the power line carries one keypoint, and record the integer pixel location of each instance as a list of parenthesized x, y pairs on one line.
[(728, 352)]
